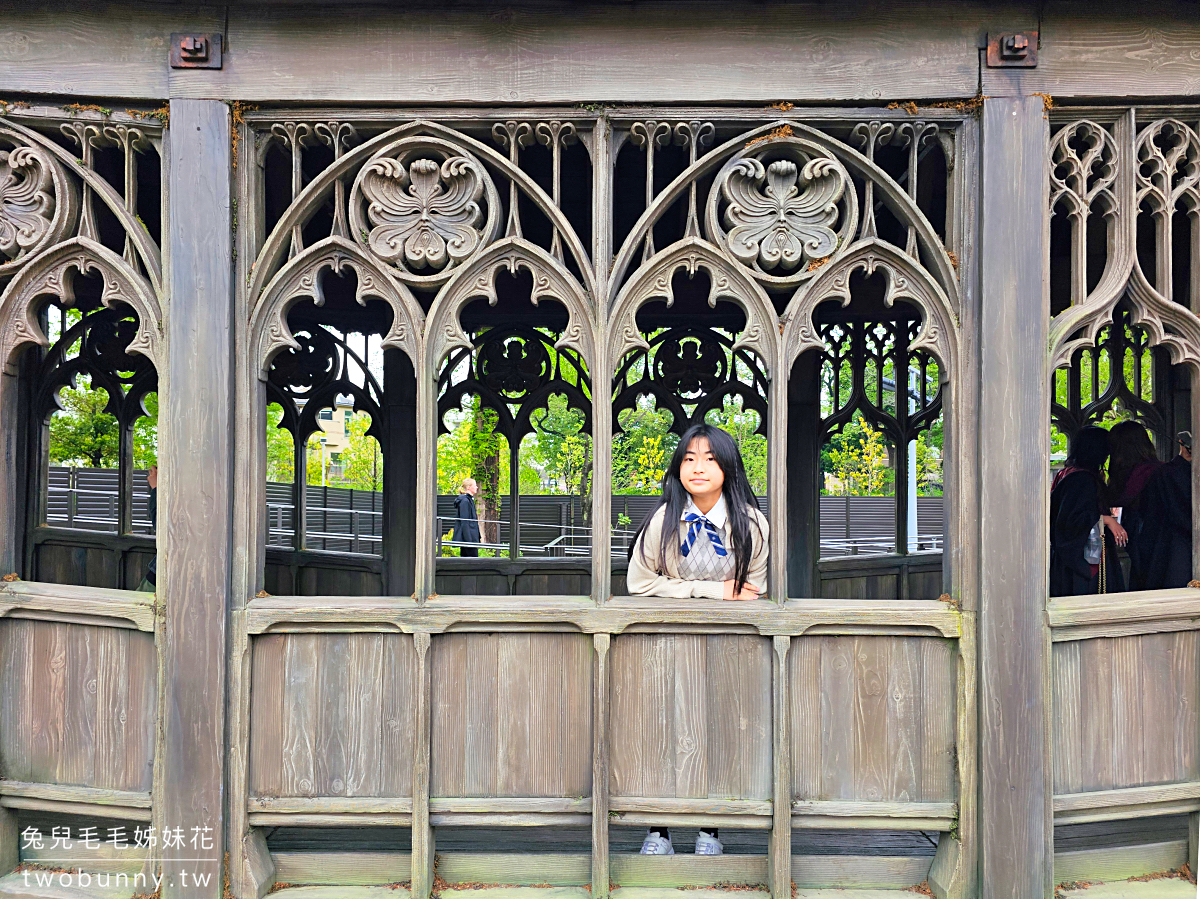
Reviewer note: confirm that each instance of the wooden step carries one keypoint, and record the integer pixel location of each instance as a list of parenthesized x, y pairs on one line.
[(65, 886), (342, 892), (1150, 889)]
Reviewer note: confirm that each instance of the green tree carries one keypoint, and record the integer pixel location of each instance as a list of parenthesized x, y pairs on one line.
[(145, 434), (362, 459), (859, 463), (281, 457), (641, 448), (83, 433)]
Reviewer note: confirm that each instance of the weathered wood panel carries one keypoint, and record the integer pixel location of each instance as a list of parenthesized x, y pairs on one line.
[(691, 716), (332, 715), (872, 718), (79, 705), (1125, 711), (1110, 52), (512, 715), (196, 484), (650, 52), (1013, 541)]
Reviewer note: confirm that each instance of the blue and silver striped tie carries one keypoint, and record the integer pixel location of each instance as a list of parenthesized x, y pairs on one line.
[(695, 522)]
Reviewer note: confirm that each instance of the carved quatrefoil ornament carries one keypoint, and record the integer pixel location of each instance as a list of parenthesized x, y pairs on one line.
[(777, 207), (36, 203), (424, 208)]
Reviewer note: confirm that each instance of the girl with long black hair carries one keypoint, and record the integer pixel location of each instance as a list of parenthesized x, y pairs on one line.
[(719, 549), (705, 538)]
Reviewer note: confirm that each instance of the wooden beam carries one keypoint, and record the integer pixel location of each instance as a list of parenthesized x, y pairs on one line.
[(1104, 50), (197, 487), (1014, 461), (1014, 817), (546, 53)]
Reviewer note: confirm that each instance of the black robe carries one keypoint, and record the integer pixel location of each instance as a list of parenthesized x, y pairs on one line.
[(1167, 527), (1074, 510)]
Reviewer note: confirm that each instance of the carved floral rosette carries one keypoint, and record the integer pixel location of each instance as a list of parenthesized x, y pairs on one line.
[(780, 205), (424, 208), (38, 207)]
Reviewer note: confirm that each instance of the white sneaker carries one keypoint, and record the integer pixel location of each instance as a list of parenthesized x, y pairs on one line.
[(656, 845), (707, 844)]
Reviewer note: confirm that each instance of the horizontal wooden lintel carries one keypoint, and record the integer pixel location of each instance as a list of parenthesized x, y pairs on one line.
[(618, 615), (95, 606), (691, 806), (341, 805)]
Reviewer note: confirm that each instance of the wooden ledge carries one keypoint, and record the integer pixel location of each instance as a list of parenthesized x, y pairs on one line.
[(1129, 802), (621, 614), (1124, 614), (77, 605), (75, 800)]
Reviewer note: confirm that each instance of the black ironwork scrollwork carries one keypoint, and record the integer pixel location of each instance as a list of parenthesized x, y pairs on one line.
[(96, 346), (306, 379), (868, 367), (1122, 369), (690, 371), (514, 370)]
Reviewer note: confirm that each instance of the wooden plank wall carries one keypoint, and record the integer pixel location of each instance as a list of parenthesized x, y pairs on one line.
[(332, 715), (1125, 711), (690, 716), (872, 718), (80, 705), (512, 715)]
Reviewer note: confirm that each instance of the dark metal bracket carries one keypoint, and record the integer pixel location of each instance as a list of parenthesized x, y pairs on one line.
[(196, 51), (1014, 49)]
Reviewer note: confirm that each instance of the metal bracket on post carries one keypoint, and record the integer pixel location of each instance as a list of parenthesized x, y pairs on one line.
[(1016, 49), (196, 51)]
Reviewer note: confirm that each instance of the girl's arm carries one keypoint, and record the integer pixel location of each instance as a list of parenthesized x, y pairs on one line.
[(644, 580)]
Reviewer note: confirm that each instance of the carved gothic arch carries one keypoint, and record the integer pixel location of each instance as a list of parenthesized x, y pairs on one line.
[(728, 280), (1138, 174), (300, 278), (52, 273), (62, 161), (890, 193), (388, 143), (1111, 155), (551, 279), (906, 280)]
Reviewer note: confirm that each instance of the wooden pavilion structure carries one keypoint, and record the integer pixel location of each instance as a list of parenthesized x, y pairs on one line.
[(787, 203)]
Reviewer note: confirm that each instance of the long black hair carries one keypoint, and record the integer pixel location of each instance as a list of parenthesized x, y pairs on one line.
[(736, 490)]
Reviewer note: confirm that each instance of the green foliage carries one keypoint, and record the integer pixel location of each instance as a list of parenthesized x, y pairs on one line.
[(281, 461), (641, 449), (560, 449), (362, 460), (83, 433), (858, 462), (145, 434)]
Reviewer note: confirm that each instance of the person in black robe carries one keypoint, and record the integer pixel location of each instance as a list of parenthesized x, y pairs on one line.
[(1132, 463), (466, 527), (1077, 502), (1167, 513)]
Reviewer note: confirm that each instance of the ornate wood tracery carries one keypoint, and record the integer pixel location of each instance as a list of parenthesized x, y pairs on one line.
[(1125, 221)]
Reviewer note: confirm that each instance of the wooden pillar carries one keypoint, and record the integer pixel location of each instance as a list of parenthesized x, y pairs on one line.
[(779, 870), (399, 473), (423, 846), (197, 494), (600, 868), (804, 476), (1014, 445)]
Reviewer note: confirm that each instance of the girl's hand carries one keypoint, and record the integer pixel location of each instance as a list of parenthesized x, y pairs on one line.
[(1119, 533), (749, 591)]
